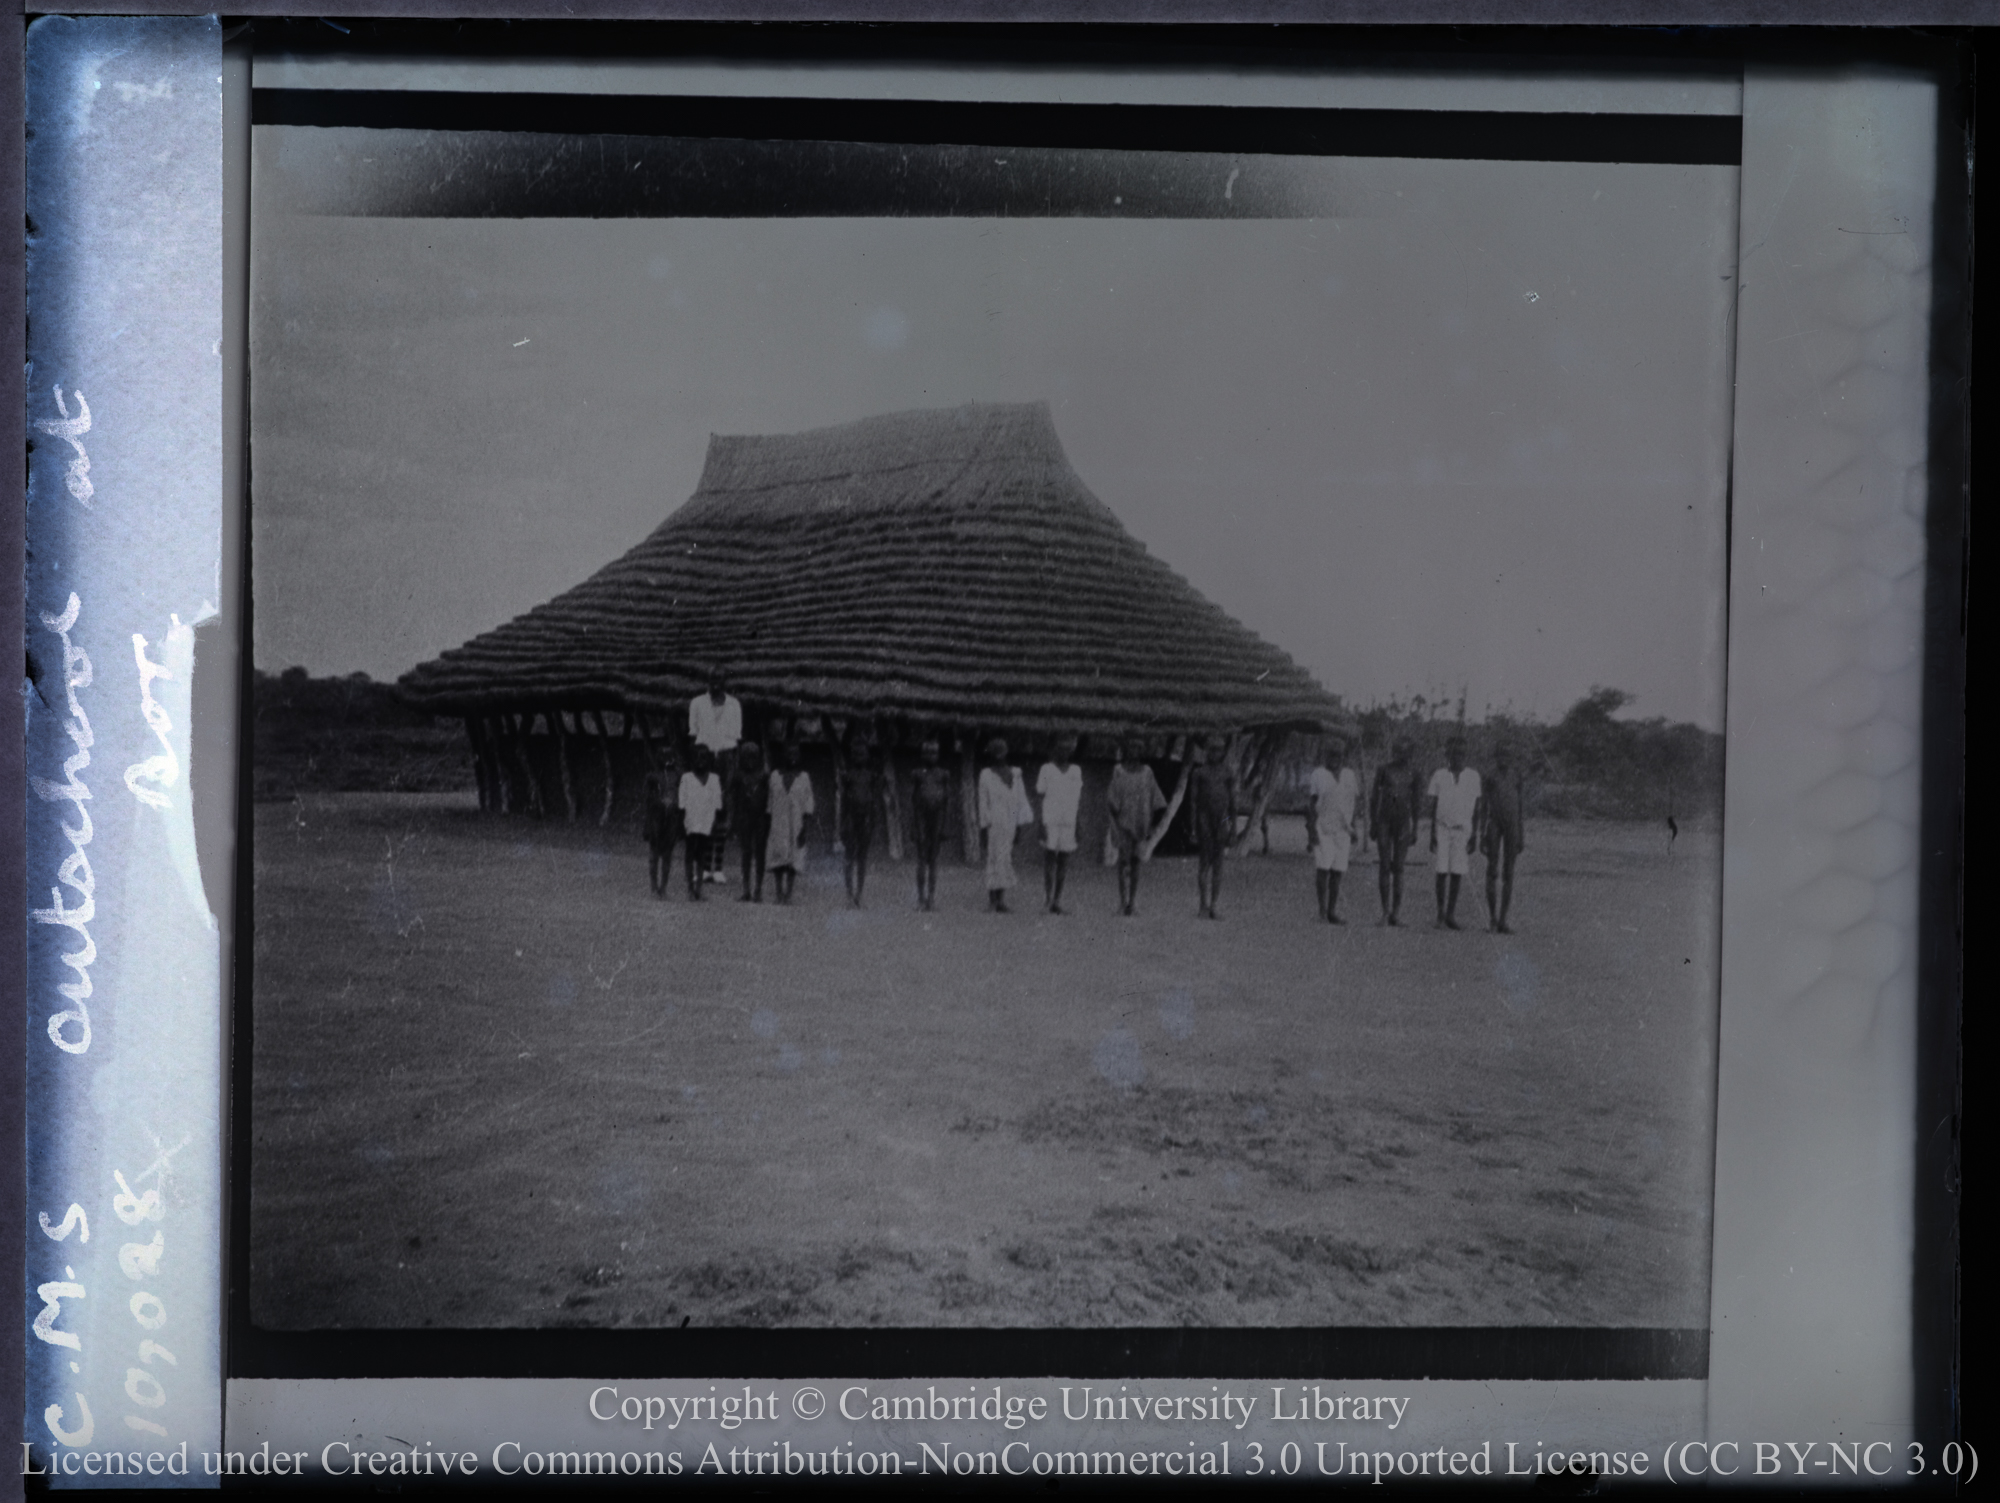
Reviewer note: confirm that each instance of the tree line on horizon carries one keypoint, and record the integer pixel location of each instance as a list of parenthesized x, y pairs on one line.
[(355, 734), (1591, 762)]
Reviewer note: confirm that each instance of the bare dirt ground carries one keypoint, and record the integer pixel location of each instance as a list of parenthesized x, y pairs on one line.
[(497, 1083)]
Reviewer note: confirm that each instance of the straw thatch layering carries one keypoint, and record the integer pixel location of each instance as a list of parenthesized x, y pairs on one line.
[(938, 572)]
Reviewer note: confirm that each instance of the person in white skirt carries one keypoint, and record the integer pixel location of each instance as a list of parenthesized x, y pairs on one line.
[(1003, 809), (1333, 824), (791, 810)]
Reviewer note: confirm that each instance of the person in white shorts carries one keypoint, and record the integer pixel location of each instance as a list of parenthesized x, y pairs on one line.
[(1060, 786), (1452, 805), (1332, 824), (715, 720)]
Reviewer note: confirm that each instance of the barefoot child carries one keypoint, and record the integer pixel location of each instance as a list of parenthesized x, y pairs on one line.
[(661, 834), (930, 797), (1003, 809), (1393, 803), (1135, 801), (860, 788), (1333, 824), (1452, 806), (701, 803), (750, 813), (1501, 835), (1060, 784), (1212, 791), (791, 813)]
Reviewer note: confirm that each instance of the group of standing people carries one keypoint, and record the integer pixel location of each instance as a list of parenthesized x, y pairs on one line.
[(1466, 814), (1133, 803), (727, 785), (728, 790)]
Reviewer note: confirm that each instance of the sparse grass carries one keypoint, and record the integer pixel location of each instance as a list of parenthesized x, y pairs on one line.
[(497, 1083)]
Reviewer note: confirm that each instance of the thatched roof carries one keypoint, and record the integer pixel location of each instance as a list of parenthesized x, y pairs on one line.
[(942, 565)]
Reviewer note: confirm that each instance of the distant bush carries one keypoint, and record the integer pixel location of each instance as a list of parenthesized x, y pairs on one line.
[(1587, 765), (346, 735)]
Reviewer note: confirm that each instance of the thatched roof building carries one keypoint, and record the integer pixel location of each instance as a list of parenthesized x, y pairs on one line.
[(940, 572), (940, 566)]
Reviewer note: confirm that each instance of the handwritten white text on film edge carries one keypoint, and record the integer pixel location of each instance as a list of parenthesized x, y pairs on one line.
[(163, 767), (74, 872), (76, 475)]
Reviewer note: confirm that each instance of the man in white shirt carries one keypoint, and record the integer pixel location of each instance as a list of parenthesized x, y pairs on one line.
[(1452, 805), (715, 720)]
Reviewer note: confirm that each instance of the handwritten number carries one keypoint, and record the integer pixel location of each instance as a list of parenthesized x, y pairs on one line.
[(137, 1260), (133, 1209)]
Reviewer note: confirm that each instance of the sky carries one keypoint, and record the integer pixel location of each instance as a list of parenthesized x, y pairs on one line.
[(1466, 433)]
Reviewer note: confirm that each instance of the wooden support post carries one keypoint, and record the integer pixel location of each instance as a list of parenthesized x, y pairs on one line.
[(489, 756), (515, 765), (968, 796), (496, 750), (646, 740), (524, 726), (1167, 820), (478, 762), (610, 774), (892, 808), (496, 774), (837, 830), (559, 728), (1269, 746)]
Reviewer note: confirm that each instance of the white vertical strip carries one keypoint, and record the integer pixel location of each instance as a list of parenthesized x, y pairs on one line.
[(1814, 1190), (125, 1008)]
